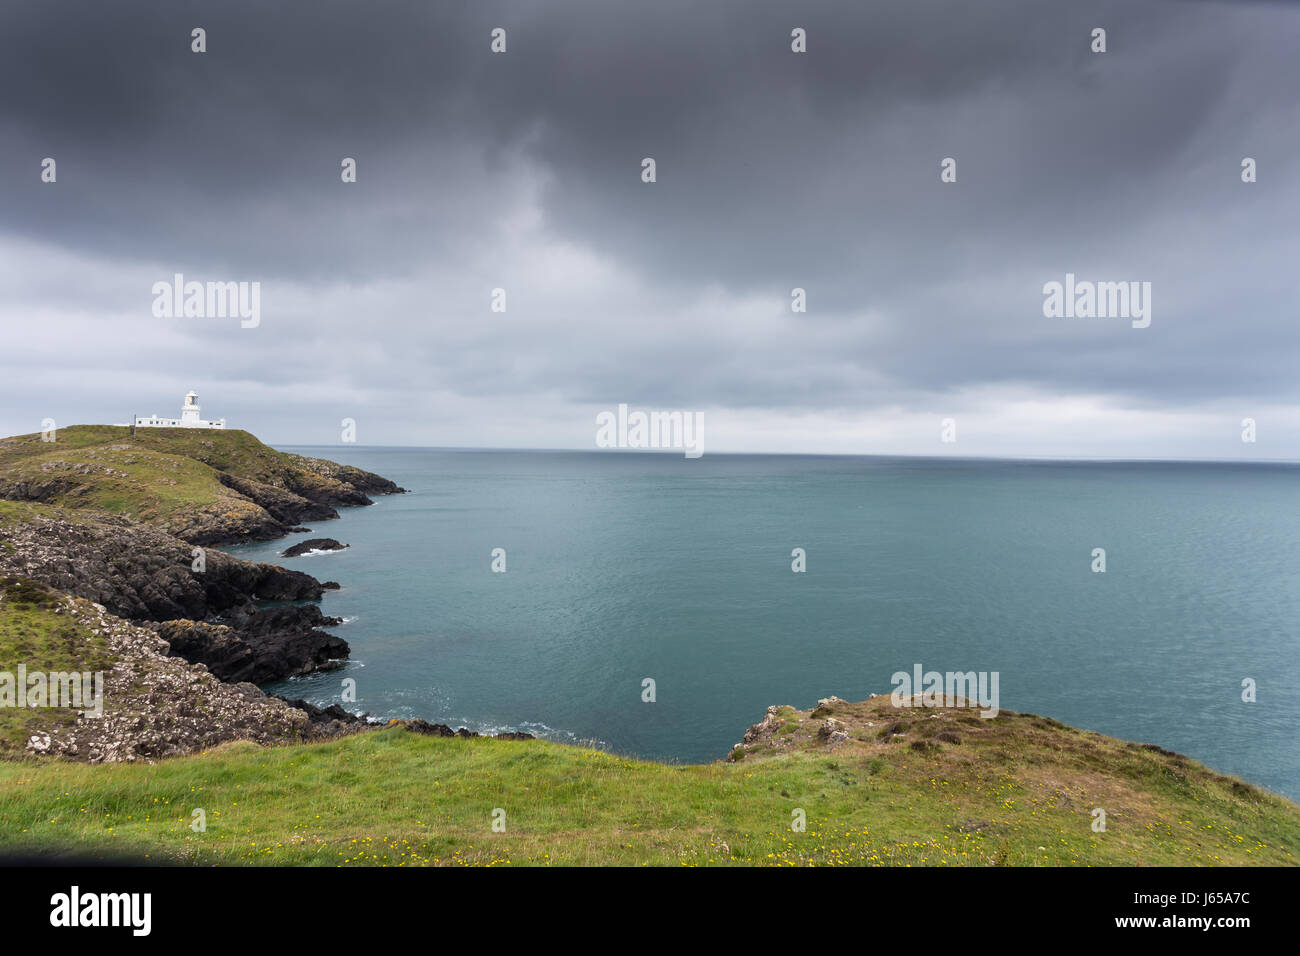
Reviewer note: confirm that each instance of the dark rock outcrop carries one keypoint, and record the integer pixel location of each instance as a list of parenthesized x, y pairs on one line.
[(187, 623), (324, 715), (259, 646), (156, 705), (286, 507), (442, 730), (312, 544), (141, 573), (148, 576), (359, 479)]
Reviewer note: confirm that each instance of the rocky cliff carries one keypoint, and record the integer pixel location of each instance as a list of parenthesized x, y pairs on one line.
[(126, 524), (154, 703), (149, 577)]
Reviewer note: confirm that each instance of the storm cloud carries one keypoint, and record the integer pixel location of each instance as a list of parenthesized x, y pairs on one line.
[(775, 170)]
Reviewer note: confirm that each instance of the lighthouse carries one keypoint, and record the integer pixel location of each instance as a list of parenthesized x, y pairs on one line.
[(189, 417), (190, 411)]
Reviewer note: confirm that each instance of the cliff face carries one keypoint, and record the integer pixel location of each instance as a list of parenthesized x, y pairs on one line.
[(148, 576), (154, 704), (332, 471), (127, 523), (136, 571), (259, 646)]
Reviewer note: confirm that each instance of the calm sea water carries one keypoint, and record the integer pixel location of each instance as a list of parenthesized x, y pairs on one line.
[(622, 567)]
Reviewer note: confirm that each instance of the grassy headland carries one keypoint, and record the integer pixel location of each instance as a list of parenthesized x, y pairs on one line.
[(954, 790), (208, 487)]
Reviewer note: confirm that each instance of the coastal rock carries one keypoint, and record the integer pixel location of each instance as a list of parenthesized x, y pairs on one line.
[(312, 544), (259, 646), (327, 715), (139, 572), (833, 731), (286, 507), (215, 525), (147, 575), (827, 706), (356, 478), (196, 614), (870, 728), (434, 730), (442, 730), (768, 726), (158, 706)]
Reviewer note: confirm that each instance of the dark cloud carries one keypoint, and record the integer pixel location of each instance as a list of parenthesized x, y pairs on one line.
[(774, 171)]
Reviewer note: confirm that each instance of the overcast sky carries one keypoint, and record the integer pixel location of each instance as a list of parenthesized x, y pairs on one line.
[(775, 170)]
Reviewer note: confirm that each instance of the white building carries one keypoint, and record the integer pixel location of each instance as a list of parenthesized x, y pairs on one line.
[(189, 417)]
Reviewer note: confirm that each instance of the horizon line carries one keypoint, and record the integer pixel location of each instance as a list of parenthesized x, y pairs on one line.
[(676, 453)]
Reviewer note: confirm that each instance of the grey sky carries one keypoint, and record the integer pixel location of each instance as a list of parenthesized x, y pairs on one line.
[(775, 170)]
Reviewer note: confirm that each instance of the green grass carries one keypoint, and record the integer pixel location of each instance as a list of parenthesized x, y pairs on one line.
[(78, 436), (19, 512), (124, 479), (33, 632), (232, 450), (393, 797), (168, 477)]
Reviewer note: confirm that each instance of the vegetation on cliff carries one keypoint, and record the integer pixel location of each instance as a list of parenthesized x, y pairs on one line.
[(146, 575), (1013, 790), (117, 529), (205, 487), (152, 703)]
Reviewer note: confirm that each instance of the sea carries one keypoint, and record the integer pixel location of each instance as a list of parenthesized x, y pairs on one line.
[(647, 603)]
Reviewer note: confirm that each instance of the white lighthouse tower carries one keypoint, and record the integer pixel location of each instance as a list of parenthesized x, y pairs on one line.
[(189, 417), (190, 411)]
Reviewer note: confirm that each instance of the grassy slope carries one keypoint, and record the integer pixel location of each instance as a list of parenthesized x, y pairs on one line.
[(127, 480), (1017, 790), (24, 511), (33, 634), (233, 450), (163, 477), (18, 512)]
